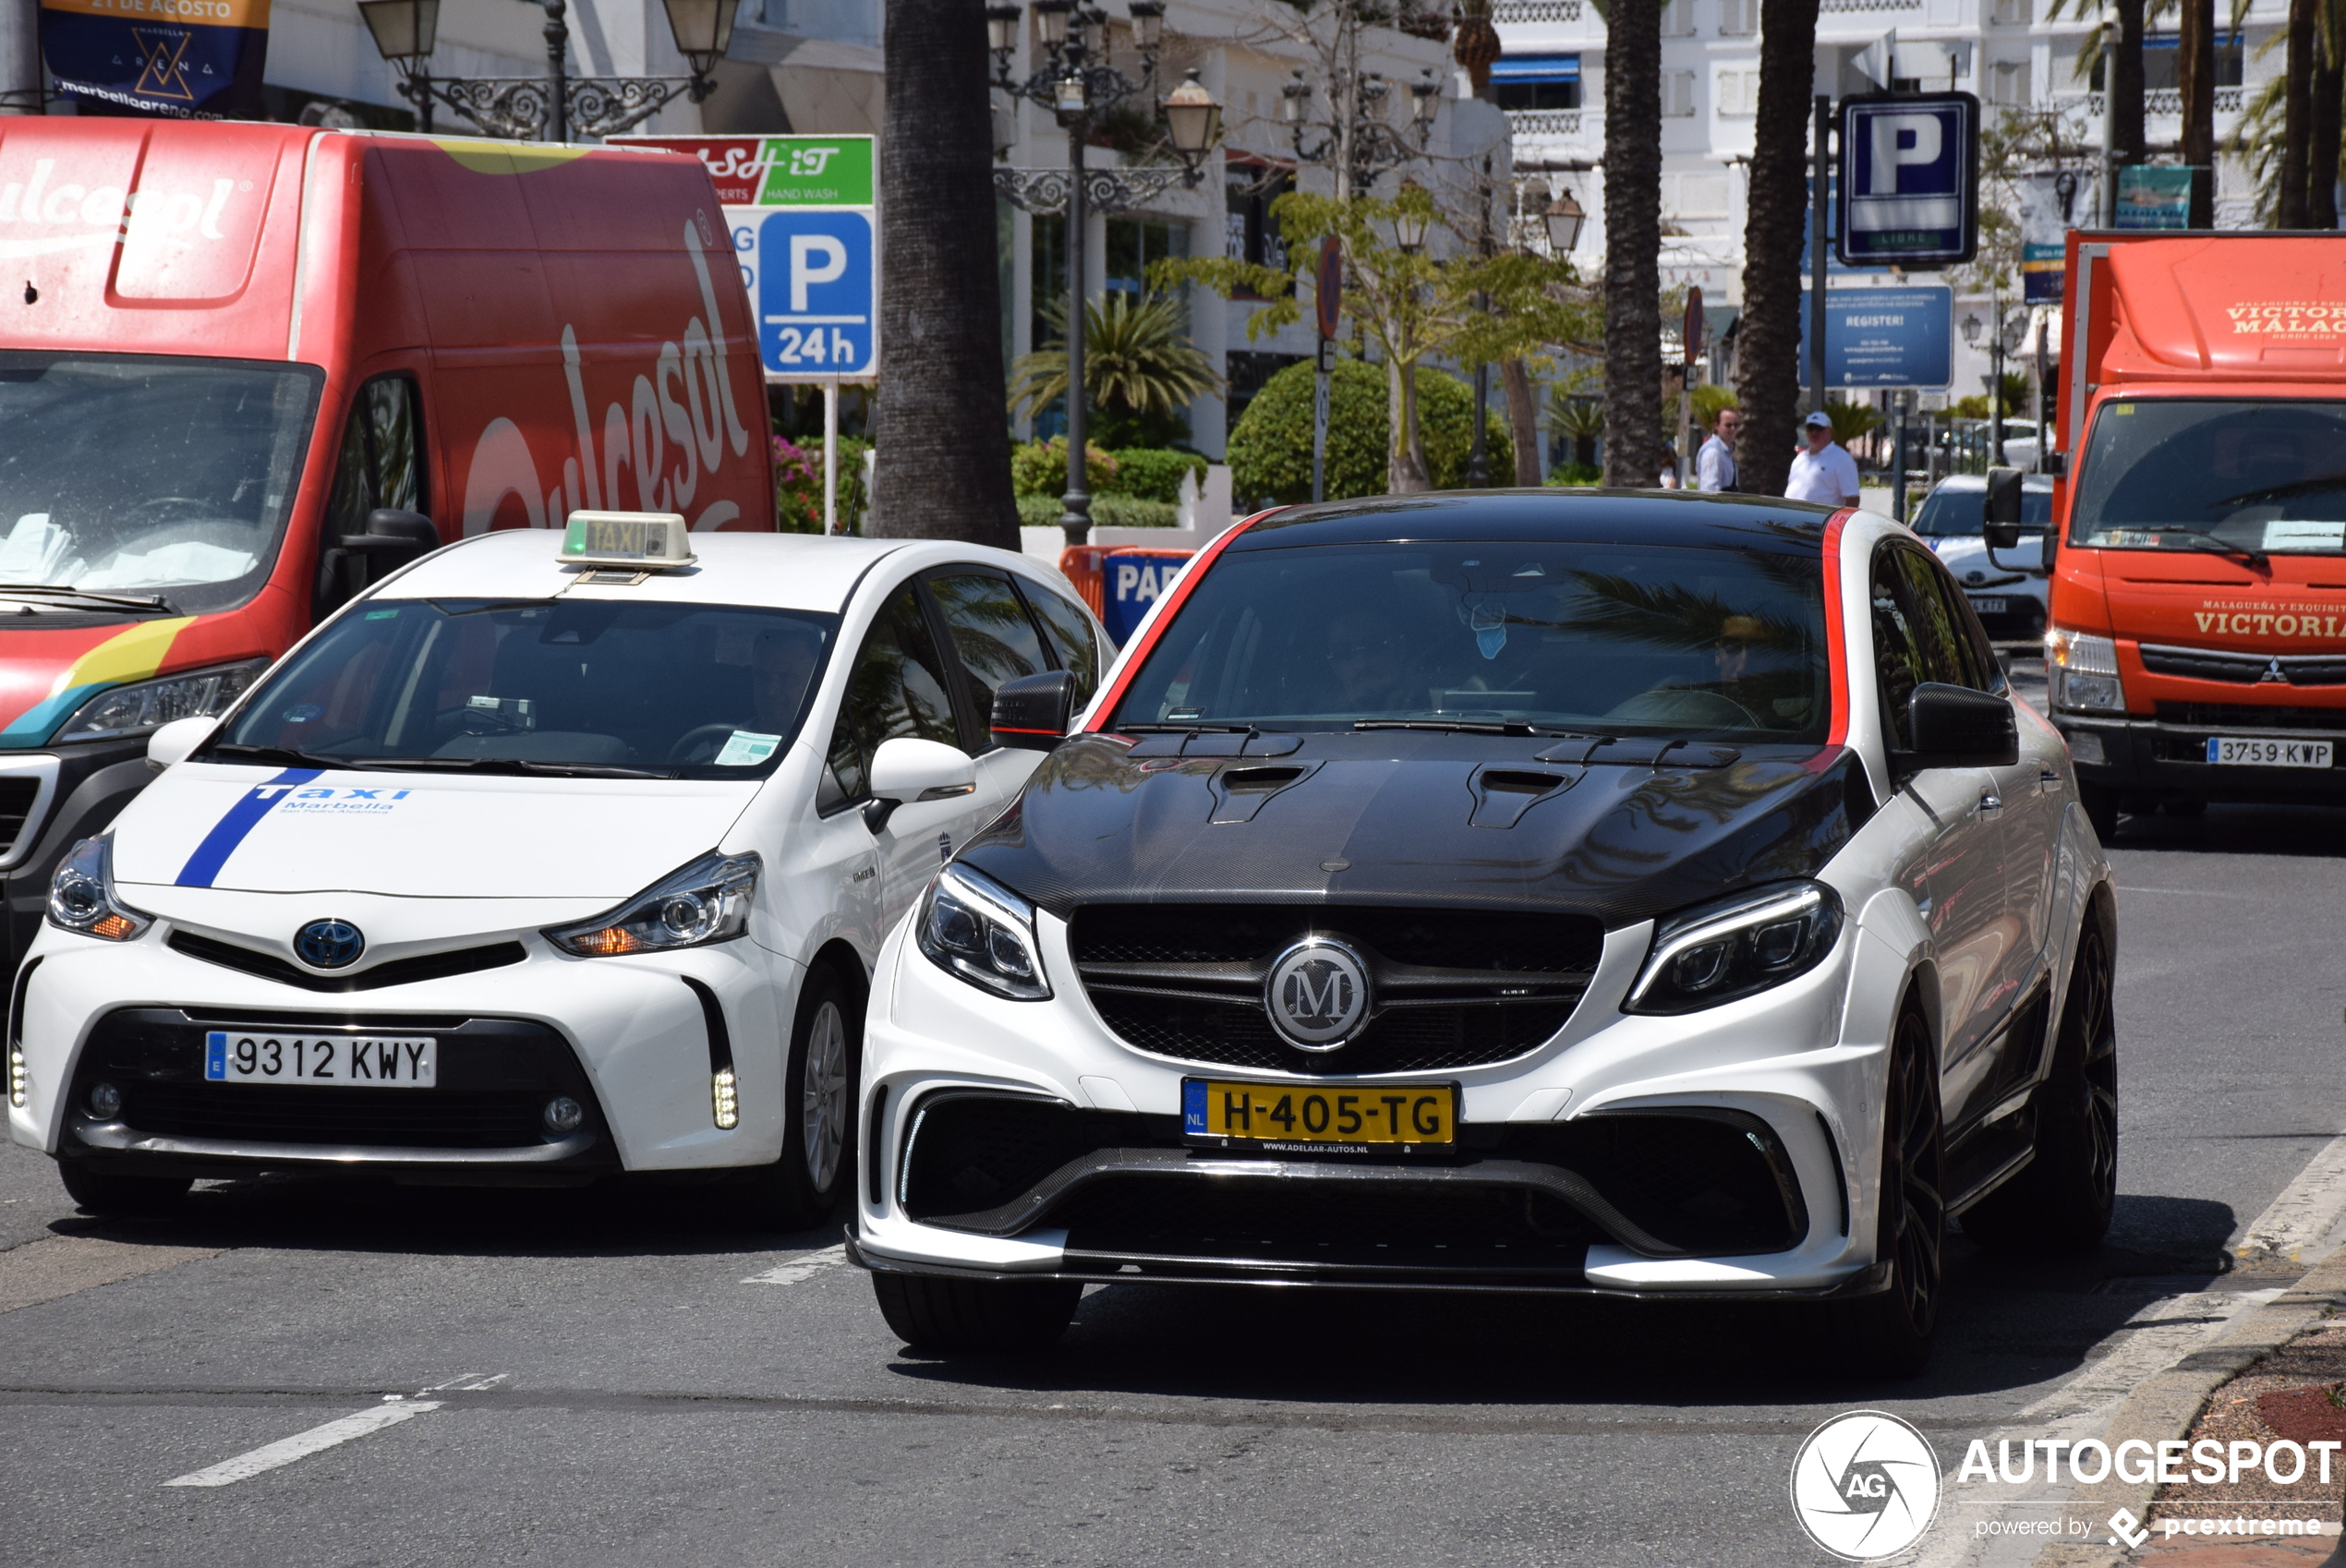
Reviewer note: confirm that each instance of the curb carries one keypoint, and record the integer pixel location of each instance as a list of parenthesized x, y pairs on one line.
[(2166, 1403)]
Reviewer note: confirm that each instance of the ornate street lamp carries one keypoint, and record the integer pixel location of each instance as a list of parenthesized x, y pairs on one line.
[(1364, 138), (1077, 82), (561, 106), (1564, 218)]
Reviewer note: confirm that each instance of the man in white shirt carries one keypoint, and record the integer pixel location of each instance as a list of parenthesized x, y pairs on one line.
[(1714, 465), (1824, 471)]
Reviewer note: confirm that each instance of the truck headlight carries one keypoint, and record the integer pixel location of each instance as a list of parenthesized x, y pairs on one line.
[(81, 895), (1736, 947), (704, 902), (146, 706), (2084, 671), (972, 926)]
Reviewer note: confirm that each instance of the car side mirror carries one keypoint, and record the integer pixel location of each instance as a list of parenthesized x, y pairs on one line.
[(1032, 713), (176, 740), (1956, 727), (905, 770), (392, 538)]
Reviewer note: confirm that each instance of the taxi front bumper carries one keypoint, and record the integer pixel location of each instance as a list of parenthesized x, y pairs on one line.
[(634, 1041)]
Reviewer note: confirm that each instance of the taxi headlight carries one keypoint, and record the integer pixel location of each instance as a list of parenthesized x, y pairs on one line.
[(972, 926), (81, 895), (2083, 671), (704, 902), (1737, 948), (149, 704)]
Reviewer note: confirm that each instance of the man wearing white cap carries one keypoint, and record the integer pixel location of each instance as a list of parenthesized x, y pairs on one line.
[(1822, 472)]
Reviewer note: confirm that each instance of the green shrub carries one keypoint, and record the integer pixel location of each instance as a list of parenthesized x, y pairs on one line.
[(1271, 448), (1153, 472), (1038, 512), (1108, 510), (1575, 474), (798, 485), (1039, 468)]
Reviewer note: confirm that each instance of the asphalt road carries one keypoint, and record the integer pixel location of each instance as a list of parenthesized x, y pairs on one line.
[(658, 1402)]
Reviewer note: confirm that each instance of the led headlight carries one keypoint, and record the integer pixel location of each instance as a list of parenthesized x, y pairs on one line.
[(81, 895), (706, 902), (149, 704), (1736, 947), (972, 927), (2084, 671)]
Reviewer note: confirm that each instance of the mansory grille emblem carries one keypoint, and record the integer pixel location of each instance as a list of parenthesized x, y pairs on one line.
[(1317, 994)]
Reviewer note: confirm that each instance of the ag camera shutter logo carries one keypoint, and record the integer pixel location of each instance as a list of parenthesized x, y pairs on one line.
[(1864, 1486)]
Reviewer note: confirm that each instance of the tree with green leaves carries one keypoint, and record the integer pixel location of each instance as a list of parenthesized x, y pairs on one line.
[(1404, 302), (1139, 367)]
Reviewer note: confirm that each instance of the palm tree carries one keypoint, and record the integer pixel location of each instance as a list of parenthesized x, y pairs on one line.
[(1137, 361), (1633, 242), (2124, 78), (2196, 77), (2288, 206), (944, 466), (1768, 345)]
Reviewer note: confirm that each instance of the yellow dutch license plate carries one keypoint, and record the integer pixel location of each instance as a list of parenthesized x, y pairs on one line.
[(1289, 1113)]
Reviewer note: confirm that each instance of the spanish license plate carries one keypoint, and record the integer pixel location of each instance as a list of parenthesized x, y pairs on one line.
[(2255, 752), (339, 1061), (1288, 1112), (1989, 605)]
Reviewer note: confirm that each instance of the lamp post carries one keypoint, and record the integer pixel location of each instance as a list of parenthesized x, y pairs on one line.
[(561, 105), (1077, 82), (1364, 142), (2006, 338)]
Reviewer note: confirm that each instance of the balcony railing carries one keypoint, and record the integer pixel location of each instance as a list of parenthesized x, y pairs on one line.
[(1869, 5), (2162, 101), (1507, 11), (1526, 123)]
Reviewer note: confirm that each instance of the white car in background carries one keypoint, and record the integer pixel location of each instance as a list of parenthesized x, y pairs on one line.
[(547, 858), (2009, 591)]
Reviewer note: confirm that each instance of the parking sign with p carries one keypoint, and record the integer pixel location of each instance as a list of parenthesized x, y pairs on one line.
[(816, 296), (1910, 179)]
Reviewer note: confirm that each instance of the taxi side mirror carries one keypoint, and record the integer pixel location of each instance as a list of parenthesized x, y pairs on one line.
[(176, 740), (1032, 713), (1956, 727), (905, 770)]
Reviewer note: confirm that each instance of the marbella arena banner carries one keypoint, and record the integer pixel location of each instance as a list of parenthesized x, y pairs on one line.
[(188, 59)]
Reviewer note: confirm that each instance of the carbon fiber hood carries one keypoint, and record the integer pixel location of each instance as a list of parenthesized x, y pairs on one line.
[(1409, 818)]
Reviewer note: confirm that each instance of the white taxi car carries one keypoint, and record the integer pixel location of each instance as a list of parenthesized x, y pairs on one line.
[(550, 856)]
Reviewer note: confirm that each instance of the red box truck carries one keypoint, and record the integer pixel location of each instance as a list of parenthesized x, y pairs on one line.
[(2197, 649), (246, 368)]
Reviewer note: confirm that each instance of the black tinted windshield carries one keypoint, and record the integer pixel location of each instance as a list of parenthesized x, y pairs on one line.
[(1950, 513), (150, 475), (1606, 638), (2263, 475), (681, 690)]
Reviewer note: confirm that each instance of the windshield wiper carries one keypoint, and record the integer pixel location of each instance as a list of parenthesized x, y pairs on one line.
[(284, 756), (1467, 727), (155, 602), (1185, 729), (2256, 558), (517, 766)]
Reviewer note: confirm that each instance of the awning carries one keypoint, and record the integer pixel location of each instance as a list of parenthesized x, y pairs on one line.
[(1536, 67)]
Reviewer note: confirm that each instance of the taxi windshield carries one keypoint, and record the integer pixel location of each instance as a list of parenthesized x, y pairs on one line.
[(166, 477), (583, 687), (1594, 638), (2245, 476)]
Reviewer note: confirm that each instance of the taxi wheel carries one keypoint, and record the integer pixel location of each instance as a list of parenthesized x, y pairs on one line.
[(2061, 1201), (1889, 1334), (976, 1316), (121, 1196), (806, 1185)]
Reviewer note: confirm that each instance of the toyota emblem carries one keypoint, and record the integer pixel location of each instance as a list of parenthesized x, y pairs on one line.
[(328, 944), (1317, 995)]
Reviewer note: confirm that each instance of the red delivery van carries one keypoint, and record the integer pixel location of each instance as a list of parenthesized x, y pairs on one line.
[(246, 369)]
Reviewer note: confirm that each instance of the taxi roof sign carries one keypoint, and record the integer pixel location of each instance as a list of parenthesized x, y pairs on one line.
[(648, 541)]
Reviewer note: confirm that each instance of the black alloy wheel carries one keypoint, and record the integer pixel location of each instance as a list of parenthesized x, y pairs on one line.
[(816, 1171), (976, 1317), (1890, 1333), (116, 1197), (2061, 1201)]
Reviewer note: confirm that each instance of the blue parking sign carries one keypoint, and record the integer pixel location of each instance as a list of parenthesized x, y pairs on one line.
[(1910, 179), (816, 293)]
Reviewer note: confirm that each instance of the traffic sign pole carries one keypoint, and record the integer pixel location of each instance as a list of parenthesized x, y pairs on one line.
[(830, 455)]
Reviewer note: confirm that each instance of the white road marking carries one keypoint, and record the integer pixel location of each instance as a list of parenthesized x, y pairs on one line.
[(301, 1445), (801, 1269)]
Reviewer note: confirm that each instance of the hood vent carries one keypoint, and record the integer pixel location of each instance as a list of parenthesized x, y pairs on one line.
[(1502, 794), (1239, 793), (1640, 751)]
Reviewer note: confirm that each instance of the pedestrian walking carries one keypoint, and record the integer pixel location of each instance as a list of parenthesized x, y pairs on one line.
[(1714, 464), (1822, 471)]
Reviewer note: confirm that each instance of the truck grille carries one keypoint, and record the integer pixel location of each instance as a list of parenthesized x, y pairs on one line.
[(2245, 715), (1453, 988), (16, 796), (495, 1076), (2244, 669)]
